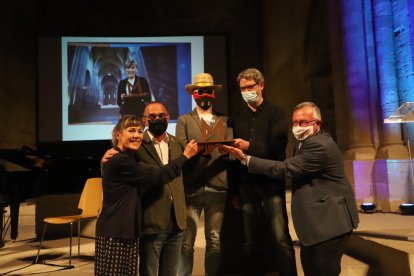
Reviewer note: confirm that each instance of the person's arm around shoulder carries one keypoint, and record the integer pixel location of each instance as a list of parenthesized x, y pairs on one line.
[(108, 154)]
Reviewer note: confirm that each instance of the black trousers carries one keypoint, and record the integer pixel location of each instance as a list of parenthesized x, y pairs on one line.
[(324, 259)]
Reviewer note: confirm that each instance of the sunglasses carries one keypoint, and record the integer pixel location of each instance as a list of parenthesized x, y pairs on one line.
[(201, 91)]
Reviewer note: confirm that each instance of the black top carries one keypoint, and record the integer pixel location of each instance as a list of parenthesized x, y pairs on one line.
[(123, 182), (139, 96), (267, 131)]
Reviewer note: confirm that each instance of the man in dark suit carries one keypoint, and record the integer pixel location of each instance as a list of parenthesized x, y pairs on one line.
[(133, 92), (323, 203)]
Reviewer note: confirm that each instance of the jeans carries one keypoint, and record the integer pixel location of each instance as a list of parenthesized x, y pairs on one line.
[(160, 253), (213, 202), (267, 210)]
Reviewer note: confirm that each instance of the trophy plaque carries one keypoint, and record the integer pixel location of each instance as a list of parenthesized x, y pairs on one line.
[(213, 135)]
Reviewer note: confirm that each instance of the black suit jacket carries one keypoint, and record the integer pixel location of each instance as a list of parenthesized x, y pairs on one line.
[(123, 178), (141, 95), (323, 202)]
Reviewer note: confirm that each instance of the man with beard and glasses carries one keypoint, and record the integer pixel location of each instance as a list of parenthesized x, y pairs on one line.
[(164, 210), (205, 179)]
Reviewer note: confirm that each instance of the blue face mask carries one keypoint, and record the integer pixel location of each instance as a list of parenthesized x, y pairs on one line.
[(250, 97)]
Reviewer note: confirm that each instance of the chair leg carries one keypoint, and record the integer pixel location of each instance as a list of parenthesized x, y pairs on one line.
[(78, 237), (70, 244), (40, 244), (70, 249)]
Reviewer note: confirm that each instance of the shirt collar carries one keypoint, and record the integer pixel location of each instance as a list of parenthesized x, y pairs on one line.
[(166, 138), (259, 108)]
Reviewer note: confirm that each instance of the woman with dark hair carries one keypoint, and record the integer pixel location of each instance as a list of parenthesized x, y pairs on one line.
[(119, 223)]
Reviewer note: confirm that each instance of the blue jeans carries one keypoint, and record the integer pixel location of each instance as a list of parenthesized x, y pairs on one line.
[(266, 211), (213, 202), (159, 254)]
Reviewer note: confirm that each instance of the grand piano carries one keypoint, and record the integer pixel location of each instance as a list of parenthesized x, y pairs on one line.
[(26, 173)]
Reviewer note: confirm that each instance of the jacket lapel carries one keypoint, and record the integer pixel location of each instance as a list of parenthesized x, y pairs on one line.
[(195, 117), (174, 148)]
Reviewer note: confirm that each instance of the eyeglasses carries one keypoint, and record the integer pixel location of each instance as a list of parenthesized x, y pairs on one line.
[(154, 116), (248, 87), (303, 123), (201, 91)]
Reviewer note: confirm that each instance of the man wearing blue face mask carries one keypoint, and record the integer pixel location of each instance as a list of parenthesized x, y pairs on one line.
[(262, 130), (323, 203)]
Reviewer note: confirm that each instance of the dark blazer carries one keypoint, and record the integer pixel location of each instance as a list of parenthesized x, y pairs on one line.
[(203, 170), (158, 201), (323, 202), (134, 105), (123, 179)]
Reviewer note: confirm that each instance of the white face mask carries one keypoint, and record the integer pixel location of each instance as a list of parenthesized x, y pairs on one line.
[(301, 133), (250, 97)]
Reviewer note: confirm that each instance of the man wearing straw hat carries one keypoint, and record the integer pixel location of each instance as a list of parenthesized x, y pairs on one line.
[(205, 178)]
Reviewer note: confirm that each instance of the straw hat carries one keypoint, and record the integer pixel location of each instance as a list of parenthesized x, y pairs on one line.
[(202, 80)]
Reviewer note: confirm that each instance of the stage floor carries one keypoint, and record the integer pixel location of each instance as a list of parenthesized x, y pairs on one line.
[(389, 234)]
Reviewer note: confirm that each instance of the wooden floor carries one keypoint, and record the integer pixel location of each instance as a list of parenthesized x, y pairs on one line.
[(383, 245)]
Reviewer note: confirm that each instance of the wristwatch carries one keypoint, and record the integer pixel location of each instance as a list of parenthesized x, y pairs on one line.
[(244, 159)]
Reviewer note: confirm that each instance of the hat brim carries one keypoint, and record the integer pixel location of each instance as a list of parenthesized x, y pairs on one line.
[(190, 88)]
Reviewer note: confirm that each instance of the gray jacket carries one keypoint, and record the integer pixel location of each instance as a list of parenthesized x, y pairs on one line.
[(203, 170)]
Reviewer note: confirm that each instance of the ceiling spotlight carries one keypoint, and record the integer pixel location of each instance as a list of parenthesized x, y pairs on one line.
[(407, 208), (368, 207)]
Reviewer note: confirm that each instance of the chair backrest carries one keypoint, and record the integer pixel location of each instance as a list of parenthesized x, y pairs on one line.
[(91, 198)]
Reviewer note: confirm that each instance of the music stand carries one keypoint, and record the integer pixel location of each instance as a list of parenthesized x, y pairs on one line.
[(404, 114)]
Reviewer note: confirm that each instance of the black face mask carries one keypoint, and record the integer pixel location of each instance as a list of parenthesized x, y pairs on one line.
[(204, 103), (158, 127)]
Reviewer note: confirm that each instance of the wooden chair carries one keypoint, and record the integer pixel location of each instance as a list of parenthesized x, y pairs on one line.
[(90, 203)]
